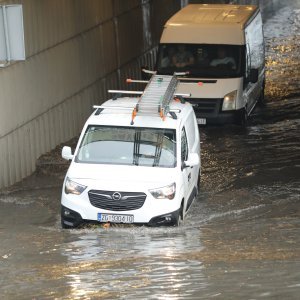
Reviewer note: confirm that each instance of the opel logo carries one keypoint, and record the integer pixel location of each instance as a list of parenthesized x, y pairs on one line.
[(116, 196)]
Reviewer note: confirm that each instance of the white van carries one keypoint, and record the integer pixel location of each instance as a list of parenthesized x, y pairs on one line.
[(220, 49), (133, 164)]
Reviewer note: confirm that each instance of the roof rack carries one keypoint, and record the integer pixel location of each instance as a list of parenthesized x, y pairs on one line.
[(155, 99)]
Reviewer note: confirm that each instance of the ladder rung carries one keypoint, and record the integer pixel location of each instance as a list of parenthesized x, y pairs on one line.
[(125, 92)]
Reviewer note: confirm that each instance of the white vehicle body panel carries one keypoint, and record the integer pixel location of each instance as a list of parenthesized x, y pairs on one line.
[(218, 25), (202, 23), (131, 178)]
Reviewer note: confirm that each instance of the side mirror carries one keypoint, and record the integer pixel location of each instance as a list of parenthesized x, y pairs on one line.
[(66, 153), (193, 160), (253, 76)]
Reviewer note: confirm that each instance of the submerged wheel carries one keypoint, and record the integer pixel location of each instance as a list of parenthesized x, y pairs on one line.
[(243, 117), (179, 221), (261, 100)]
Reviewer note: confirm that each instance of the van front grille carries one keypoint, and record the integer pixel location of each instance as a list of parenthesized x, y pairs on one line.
[(116, 201), (206, 105)]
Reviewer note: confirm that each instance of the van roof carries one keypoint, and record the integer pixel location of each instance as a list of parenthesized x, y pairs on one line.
[(209, 23), (119, 113)]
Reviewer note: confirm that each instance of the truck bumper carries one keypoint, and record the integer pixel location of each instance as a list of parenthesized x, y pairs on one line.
[(230, 117), (211, 111)]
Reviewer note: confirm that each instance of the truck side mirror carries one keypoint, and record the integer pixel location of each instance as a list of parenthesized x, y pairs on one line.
[(193, 160), (253, 76), (66, 153)]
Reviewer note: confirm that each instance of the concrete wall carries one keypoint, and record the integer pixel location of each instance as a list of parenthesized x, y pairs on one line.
[(76, 50)]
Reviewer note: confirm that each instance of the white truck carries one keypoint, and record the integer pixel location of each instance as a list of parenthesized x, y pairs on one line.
[(220, 51)]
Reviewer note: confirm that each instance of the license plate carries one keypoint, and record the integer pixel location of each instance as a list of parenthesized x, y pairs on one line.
[(201, 121), (115, 218)]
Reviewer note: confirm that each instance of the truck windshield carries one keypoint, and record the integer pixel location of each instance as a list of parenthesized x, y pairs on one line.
[(201, 60), (151, 147)]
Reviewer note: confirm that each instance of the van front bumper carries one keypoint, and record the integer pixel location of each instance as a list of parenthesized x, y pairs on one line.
[(70, 217), (169, 219), (73, 219)]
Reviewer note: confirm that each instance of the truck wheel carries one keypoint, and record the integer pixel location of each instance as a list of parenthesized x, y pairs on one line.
[(261, 100), (243, 117)]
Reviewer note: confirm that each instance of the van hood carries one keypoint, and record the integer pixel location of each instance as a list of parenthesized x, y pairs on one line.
[(211, 88), (121, 177)]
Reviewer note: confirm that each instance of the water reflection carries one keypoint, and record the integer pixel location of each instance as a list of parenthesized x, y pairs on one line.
[(240, 240), (282, 59), (151, 263)]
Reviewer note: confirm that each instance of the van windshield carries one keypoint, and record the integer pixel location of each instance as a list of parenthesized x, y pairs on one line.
[(153, 147), (201, 60)]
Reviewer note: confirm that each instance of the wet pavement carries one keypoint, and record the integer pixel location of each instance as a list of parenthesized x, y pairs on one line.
[(241, 240)]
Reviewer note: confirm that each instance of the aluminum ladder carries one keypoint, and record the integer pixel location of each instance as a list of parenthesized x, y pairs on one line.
[(155, 99)]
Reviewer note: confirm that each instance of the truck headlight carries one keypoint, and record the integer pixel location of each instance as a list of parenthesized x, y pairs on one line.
[(166, 192), (72, 187), (229, 101)]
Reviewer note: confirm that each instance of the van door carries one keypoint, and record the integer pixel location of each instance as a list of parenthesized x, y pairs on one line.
[(186, 171), (193, 138)]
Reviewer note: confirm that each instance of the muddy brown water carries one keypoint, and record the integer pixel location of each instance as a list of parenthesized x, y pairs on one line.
[(241, 239)]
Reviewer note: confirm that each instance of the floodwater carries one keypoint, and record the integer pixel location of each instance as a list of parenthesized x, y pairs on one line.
[(241, 240)]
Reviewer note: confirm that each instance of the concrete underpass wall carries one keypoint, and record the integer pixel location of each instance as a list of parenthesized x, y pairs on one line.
[(75, 50)]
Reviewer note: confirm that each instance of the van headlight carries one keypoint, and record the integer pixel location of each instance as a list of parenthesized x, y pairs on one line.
[(72, 187), (229, 101), (166, 192)]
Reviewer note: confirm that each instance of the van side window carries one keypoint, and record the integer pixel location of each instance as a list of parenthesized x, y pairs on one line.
[(184, 146)]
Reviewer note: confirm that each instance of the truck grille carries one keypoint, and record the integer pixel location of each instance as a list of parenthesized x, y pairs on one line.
[(206, 105), (116, 201)]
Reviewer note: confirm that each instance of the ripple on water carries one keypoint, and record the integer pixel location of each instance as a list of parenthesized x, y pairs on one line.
[(240, 238), (282, 54)]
